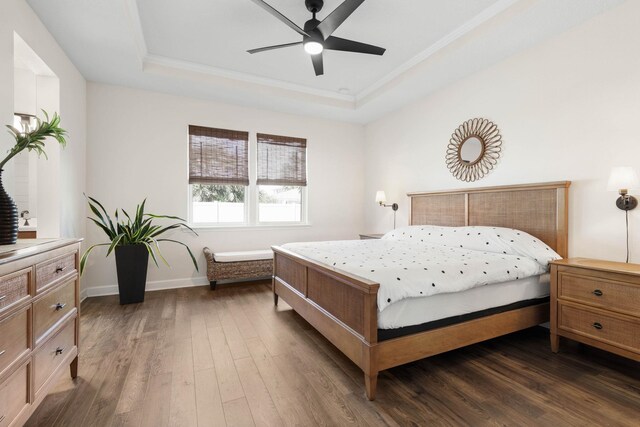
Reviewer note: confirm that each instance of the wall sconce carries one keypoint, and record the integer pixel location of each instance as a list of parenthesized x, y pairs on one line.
[(622, 179), (381, 199)]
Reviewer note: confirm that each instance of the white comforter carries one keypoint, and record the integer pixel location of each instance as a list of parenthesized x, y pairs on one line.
[(416, 268)]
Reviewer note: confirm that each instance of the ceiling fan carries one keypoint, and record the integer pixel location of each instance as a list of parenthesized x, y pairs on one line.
[(316, 35)]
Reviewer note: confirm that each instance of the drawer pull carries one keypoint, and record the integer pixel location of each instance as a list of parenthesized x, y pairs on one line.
[(2, 352), (59, 350), (597, 292), (1, 418), (59, 269), (597, 325), (59, 306), (2, 297)]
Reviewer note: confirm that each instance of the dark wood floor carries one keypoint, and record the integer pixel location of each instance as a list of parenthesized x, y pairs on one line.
[(193, 357)]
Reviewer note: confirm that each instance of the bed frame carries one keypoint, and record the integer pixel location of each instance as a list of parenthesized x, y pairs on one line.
[(343, 307)]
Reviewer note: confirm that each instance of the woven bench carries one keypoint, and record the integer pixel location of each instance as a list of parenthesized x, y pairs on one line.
[(238, 265)]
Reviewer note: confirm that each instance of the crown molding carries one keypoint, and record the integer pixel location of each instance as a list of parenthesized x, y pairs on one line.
[(135, 25), (193, 67)]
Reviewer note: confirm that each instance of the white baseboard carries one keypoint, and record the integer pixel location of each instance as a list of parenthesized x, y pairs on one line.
[(159, 285), (83, 295)]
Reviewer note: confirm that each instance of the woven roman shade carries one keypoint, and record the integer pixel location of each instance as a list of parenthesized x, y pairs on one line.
[(282, 160), (218, 156)]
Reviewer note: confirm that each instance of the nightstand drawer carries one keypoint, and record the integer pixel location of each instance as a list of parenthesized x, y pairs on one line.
[(14, 396), (599, 292), (50, 271), (14, 338), (54, 306), (14, 287), (619, 331)]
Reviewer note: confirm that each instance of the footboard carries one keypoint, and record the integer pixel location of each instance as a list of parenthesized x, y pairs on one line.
[(341, 306)]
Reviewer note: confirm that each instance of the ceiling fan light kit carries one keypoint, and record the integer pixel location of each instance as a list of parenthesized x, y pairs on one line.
[(313, 47), (316, 35)]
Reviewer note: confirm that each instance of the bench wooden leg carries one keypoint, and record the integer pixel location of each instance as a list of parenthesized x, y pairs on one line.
[(212, 283), (275, 299)]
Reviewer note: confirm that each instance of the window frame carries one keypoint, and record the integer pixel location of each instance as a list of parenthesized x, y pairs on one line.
[(251, 205), (303, 210), (242, 223)]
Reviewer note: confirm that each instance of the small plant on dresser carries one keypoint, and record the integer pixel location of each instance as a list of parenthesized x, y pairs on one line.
[(31, 141)]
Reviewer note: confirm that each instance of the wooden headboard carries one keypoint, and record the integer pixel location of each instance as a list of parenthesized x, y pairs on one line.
[(539, 209)]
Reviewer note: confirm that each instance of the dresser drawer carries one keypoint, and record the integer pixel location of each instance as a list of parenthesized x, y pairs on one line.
[(14, 338), (619, 331), (14, 288), (51, 355), (599, 292), (53, 307), (14, 396), (50, 271)]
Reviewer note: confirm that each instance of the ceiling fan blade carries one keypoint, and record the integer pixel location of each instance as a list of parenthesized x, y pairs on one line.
[(317, 64), (338, 16), (336, 43), (281, 17), (278, 46)]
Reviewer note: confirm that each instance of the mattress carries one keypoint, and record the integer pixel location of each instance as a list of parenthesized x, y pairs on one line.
[(414, 268), (416, 311)]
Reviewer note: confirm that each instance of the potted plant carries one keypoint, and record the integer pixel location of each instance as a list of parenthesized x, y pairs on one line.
[(31, 141), (133, 239)]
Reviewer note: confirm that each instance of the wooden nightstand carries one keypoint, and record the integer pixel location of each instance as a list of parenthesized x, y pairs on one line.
[(597, 303), (370, 236)]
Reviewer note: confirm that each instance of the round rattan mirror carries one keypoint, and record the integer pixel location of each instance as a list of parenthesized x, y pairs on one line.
[(474, 149)]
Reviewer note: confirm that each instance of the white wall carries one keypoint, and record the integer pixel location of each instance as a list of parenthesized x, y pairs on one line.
[(138, 148), (567, 109), (18, 17), (24, 91)]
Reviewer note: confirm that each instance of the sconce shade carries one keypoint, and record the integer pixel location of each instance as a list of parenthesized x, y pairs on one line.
[(623, 178), (381, 197)]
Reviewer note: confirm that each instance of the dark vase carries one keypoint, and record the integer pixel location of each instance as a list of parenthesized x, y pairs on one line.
[(131, 263), (8, 217)]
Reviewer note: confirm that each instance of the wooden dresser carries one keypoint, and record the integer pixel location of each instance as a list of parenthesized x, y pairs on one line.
[(597, 303), (39, 309)]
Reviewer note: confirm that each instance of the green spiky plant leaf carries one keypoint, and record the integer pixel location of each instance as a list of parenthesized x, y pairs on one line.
[(137, 229), (34, 140)]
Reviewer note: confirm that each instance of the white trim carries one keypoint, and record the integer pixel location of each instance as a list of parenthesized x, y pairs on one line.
[(83, 295), (255, 227), (194, 67), (465, 28), (158, 285), (131, 10)]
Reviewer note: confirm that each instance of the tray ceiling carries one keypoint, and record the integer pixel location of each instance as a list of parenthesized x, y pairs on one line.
[(198, 47)]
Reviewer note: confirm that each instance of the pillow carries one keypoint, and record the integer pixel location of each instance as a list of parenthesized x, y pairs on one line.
[(486, 239)]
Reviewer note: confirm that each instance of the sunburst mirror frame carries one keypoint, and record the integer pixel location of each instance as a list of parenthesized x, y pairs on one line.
[(489, 136)]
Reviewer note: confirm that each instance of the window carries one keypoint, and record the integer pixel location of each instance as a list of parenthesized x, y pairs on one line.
[(282, 176), (220, 188), (218, 175)]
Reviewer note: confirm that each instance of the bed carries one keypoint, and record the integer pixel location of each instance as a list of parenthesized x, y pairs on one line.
[(343, 306)]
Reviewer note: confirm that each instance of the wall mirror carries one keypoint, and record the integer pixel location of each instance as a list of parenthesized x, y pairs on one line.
[(474, 149)]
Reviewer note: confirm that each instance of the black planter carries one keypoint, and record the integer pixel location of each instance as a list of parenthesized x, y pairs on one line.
[(131, 263), (8, 217)]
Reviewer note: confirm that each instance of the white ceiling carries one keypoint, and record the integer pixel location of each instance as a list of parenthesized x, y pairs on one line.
[(219, 34), (198, 47)]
